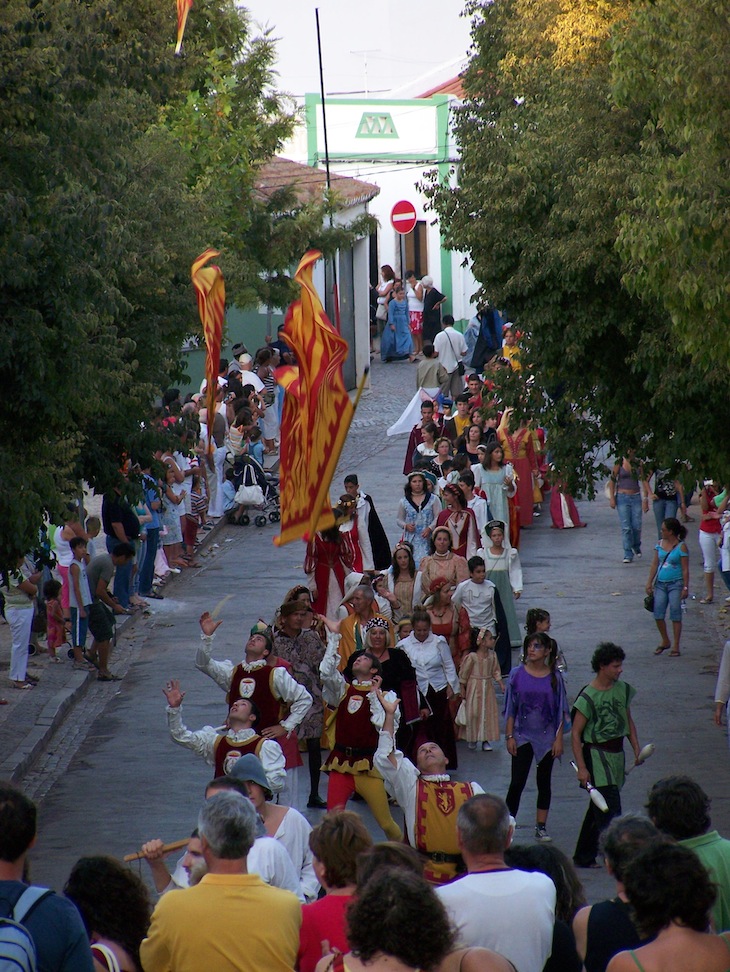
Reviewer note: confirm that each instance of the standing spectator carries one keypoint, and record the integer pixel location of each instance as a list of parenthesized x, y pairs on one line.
[(451, 348), (430, 373), (669, 580), (680, 808), (120, 526), (415, 294), (712, 507), (104, 606), (19, 588), (56, 624), (54, 924), (625, 489), (80, 601), (432, 301), (489, 339), (201, 927), (605, 928), (62, 537), (601, 719), (667, 496), (510, 911), (396, 342)]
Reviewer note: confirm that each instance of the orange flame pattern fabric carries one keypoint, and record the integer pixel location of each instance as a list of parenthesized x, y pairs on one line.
[(183, 9), (317, 412), (210, 290)]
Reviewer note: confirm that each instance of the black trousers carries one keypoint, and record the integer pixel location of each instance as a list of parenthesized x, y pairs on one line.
[(521, 764), (595, 820)]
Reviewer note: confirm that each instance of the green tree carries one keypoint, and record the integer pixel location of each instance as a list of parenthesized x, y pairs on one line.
[(671, 63), (547, 167)]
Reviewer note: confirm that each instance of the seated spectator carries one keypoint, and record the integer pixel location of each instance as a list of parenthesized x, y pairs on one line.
[(603, 929), (336, 845), (672, 896), (54, 924), (680, 808), (115, 908)]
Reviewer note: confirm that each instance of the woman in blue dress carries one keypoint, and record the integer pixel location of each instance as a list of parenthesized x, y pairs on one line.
[(417, 513), (396, 342)]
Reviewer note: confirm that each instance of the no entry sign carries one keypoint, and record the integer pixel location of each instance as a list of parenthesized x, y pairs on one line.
[(403, 217)]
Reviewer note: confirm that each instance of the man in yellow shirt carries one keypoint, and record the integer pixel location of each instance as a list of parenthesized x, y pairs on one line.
[(231, 921)]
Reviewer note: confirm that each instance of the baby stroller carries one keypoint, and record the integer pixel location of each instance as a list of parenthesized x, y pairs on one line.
[(257, 489)]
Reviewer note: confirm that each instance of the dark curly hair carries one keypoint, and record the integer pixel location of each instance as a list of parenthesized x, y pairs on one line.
[(113, 902), (625, 838), (679, 807), (606, 654), (550, 860), (667, 882), (400, 915), (388, 853)]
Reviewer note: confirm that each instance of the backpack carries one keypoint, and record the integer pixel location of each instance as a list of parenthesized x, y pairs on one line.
[(17, 949)]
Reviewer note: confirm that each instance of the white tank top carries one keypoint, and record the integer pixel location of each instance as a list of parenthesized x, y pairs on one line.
[(64, 553)]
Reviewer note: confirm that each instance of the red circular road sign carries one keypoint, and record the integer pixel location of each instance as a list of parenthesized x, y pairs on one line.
[(403, 217)]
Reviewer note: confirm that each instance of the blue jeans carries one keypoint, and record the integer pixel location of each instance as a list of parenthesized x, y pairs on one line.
[(668, 592), (147, 567), (629, 514), (664, 508), (122, 576)]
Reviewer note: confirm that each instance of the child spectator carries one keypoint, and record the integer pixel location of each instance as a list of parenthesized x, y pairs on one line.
[(55, 621), (229, 497), (256, 446), (80, 601), (93, 529), (477, 675)]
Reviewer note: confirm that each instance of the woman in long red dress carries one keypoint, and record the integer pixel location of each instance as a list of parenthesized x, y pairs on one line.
[(330, 558), (447, 621), (521, 450), (460, 522)]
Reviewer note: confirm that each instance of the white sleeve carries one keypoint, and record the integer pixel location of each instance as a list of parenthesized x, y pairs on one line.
[(220, 672), (401, 779), (515, 570), (287, 689), (298, 849), (417, 588), (270, 861), (201, 742), (377, 712), (334, 685), (272, 760), (448, 662), (457, 598)]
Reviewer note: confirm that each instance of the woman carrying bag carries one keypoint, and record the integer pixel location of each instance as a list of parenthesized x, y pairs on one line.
[(669, 582)]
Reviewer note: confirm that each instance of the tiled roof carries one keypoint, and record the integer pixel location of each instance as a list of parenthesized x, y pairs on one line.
[(452, 87), (310, 183)]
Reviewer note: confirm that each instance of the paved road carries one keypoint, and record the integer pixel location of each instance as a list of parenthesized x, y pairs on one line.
[(112, 778)]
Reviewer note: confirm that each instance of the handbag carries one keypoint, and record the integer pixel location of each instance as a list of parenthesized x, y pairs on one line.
[(460, 366), (649, 602), (250, 495), (381, 314), (460, 718)]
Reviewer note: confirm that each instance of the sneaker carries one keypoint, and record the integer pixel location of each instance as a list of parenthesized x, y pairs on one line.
[(486, 748), (638, 555), (542, 835), (472, 745), (627, 560)]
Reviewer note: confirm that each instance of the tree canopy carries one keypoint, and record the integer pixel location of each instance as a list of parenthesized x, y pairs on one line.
[(119, 163), (554, 161)]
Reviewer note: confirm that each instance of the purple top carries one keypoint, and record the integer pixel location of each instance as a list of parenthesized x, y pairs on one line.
[(537, 708)]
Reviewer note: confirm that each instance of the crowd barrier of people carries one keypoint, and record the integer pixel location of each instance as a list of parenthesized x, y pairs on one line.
[(378, 666)]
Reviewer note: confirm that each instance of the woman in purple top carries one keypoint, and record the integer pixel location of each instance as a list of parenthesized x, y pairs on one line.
[(535, 706)]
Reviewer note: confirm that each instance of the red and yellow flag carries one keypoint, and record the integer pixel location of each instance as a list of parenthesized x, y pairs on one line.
[(210, 290), (317, 412), (183, 9)]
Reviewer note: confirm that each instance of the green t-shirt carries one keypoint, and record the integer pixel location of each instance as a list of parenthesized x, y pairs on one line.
[(607, 714)]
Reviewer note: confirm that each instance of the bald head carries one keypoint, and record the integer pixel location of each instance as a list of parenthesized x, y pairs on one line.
[(484, 825)]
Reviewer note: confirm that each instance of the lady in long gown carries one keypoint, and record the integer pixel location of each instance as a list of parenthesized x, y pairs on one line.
[(329, 559), (447, 621), (461, 523), (497, 479), (404, 581), (396, 342), (504, 570), (442, 561), (521, 449), (417, 513)]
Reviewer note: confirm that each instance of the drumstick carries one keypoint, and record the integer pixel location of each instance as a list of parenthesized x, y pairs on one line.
[(166, 848)]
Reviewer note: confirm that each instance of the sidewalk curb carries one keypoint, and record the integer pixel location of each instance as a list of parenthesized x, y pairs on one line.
[(21, 760)]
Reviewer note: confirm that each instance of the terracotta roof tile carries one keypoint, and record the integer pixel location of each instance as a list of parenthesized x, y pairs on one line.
[(310, 183)]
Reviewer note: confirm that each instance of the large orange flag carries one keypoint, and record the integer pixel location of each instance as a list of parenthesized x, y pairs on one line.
[(183, 9), (210, 290), (317, 412)]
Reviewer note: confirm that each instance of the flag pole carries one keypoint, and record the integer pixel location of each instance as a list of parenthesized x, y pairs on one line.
[(335, 288)]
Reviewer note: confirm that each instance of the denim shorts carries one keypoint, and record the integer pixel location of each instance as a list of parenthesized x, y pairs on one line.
[(668, 592)]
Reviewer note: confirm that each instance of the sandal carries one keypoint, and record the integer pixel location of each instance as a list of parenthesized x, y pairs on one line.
[(101, 677), (674, 654), (706, 600), (661, 648), (23, 686)]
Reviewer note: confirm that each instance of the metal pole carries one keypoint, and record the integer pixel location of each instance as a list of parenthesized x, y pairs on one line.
[(335, 291)]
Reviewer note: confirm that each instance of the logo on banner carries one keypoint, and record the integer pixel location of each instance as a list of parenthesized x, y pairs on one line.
[(376, 126)]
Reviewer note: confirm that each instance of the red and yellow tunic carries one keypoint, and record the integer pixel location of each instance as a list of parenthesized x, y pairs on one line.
[(226, 751), (356, 738), (437, 804), (259, 686)]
